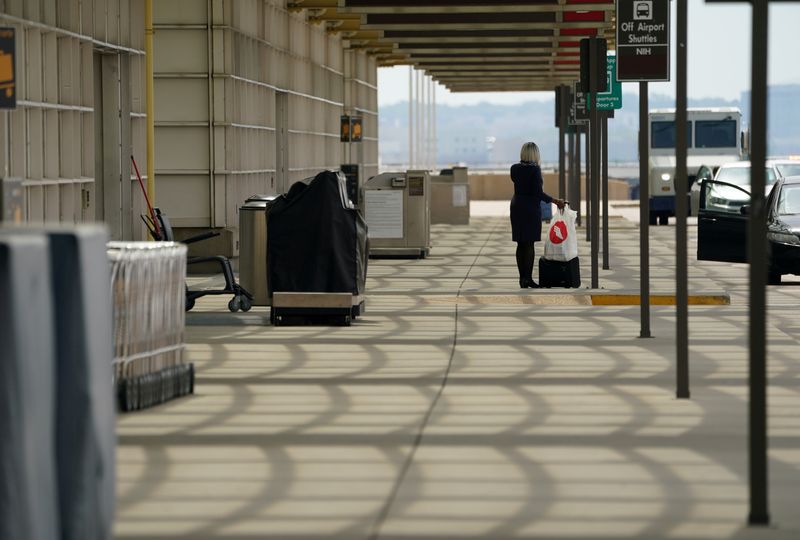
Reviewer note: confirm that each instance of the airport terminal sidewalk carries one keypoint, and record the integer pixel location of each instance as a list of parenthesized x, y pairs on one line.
[(460, 406)]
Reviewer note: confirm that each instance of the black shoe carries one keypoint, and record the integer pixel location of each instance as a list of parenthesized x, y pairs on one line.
[(525, 283), (533, 285)]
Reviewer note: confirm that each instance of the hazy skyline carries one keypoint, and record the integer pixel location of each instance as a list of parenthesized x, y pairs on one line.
[(719, 58)]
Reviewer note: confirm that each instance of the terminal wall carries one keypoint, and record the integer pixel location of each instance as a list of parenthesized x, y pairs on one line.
[(79, 115), (248, 100), (249, 97)]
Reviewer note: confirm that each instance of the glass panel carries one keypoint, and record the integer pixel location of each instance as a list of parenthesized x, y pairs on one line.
[(715, 133), (725, 198), (662, 134), (789, 200), (740, 176), (789, 170)]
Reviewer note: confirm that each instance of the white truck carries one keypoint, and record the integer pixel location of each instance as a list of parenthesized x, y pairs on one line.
[(714, 137)]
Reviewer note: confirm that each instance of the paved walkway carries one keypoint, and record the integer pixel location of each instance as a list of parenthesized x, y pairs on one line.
[(462, 407)]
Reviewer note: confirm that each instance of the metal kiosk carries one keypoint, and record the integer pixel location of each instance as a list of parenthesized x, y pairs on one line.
[(396, 207), (450, 197)]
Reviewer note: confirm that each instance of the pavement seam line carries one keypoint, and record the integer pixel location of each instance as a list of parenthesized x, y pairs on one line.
[(387, 506)]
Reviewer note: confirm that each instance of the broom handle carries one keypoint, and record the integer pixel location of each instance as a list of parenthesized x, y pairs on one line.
[(146, 198)]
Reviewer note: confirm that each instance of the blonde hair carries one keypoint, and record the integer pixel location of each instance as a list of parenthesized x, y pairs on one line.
[(529, 152)]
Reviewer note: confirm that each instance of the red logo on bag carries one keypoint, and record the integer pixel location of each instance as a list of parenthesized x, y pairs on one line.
[(558, 232)]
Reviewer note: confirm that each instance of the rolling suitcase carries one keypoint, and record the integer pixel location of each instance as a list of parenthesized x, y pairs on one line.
[(559, 274)]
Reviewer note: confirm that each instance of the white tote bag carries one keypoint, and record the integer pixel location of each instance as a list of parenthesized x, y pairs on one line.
[(561, 242)]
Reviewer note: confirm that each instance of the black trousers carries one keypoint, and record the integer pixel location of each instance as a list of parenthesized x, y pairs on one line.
[(525, 258)]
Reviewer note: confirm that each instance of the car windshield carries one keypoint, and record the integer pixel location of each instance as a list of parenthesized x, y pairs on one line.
[(789, 200), (790, 169), (740, 176)]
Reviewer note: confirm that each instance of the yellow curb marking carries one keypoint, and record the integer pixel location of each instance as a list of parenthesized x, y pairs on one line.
[(659, 300)]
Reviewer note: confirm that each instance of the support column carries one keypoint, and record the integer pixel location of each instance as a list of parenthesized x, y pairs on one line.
[(578, 196), (644, 211), (435, 142), (410, 117), (681, 189), (757, 256), (587, 180), (573, 191), (604, 137)]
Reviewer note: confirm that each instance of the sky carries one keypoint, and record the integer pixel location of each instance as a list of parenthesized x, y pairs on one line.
[(718, 59)]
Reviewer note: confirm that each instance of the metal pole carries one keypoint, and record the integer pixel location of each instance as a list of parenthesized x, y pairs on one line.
[(562, 179), (421, 119), (435, 145), (574, 200), (424, 120), (430, 124), (150, 106), (594, 178), (758, 257), (644, 223), (578, 195), (420, 105), (587, 180), (604, 138), (410, 117), (681, 189)]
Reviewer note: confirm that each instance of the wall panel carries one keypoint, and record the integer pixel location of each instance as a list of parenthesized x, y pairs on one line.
[(52, 145)]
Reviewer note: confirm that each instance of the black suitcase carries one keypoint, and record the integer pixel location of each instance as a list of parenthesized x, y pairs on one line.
[(559, 274)]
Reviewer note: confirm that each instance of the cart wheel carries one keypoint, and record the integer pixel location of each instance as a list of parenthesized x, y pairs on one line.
[(663, 220), (277, 320), (235, 304), (347, 320), (189, 304), (774, 278), (246, 304)]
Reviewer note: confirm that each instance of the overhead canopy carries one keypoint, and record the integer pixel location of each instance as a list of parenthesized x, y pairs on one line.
[(472, 45)]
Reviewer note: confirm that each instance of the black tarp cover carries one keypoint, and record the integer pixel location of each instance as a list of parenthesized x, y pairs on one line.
[(316, 239)]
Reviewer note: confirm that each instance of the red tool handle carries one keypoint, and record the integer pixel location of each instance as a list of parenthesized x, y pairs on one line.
[(146, 198)]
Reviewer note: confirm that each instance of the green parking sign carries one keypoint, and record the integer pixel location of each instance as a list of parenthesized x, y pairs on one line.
[(612, 99)]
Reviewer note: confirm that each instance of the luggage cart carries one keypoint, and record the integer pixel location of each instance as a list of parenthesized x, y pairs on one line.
[(298, 307)]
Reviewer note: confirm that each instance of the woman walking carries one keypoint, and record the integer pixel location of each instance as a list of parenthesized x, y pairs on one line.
[(526, 214)]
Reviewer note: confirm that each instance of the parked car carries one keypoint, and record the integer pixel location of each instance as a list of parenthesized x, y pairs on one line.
[(787, 167), (721, 232), (736, 173)]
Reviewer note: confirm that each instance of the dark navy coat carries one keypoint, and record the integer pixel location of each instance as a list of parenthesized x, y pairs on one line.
[(526, 213)]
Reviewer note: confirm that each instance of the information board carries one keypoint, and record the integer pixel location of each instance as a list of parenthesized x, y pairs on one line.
[(384, 213), (578, 111), (643, 40)]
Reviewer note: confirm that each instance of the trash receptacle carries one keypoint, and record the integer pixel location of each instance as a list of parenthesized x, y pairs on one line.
[(253, 247)]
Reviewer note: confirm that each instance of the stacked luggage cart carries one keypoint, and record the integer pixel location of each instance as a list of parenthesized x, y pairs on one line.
[(148, 291)]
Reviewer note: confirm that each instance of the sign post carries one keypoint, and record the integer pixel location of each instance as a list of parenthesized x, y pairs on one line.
[(578, 117), (643, 43)]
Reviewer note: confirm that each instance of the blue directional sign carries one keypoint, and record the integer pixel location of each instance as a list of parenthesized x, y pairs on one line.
[(612, 99)]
